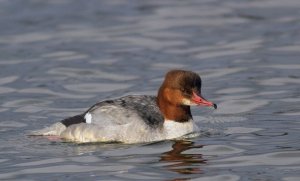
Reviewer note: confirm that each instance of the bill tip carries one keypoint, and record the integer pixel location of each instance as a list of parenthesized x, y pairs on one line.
[(215, 106)]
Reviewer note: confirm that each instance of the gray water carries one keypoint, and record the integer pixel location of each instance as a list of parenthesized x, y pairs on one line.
[(59, 57)]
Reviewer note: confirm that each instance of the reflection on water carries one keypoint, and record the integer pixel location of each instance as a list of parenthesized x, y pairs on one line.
[(180, 162), (60, 57)]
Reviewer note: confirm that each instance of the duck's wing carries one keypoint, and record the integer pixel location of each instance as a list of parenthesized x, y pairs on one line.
[(125, 110)]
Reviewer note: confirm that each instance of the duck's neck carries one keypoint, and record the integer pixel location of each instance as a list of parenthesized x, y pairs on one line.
[(172, 110)]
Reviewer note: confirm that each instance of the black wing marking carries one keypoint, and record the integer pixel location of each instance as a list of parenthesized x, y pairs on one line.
[(73, 120)]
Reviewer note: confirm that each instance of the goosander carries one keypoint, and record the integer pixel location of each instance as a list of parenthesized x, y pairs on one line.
[(138, 118)]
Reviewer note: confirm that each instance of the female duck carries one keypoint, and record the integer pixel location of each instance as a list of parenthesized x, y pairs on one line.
[(138, 118)]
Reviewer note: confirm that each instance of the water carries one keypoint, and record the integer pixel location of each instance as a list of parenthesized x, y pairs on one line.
[(59, 57)]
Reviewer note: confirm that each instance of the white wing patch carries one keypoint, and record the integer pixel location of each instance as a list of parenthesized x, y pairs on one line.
[(88, 118)]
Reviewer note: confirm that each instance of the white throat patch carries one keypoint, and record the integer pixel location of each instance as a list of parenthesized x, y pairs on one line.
[(187, 102)]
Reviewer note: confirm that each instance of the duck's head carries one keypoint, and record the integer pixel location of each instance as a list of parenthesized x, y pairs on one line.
[(181, 89)]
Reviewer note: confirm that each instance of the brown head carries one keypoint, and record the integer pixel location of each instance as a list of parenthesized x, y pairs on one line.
[(180, 90)]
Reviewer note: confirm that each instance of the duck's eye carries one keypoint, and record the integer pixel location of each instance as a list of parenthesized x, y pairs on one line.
[(184, 91)]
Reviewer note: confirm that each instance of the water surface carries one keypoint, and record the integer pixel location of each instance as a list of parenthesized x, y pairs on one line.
[(59, 57)]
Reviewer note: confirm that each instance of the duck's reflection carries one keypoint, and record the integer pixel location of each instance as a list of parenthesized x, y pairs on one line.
[(183, 163)]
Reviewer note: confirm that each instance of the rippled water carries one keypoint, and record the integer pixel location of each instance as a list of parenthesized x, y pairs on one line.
[(59, 57)]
